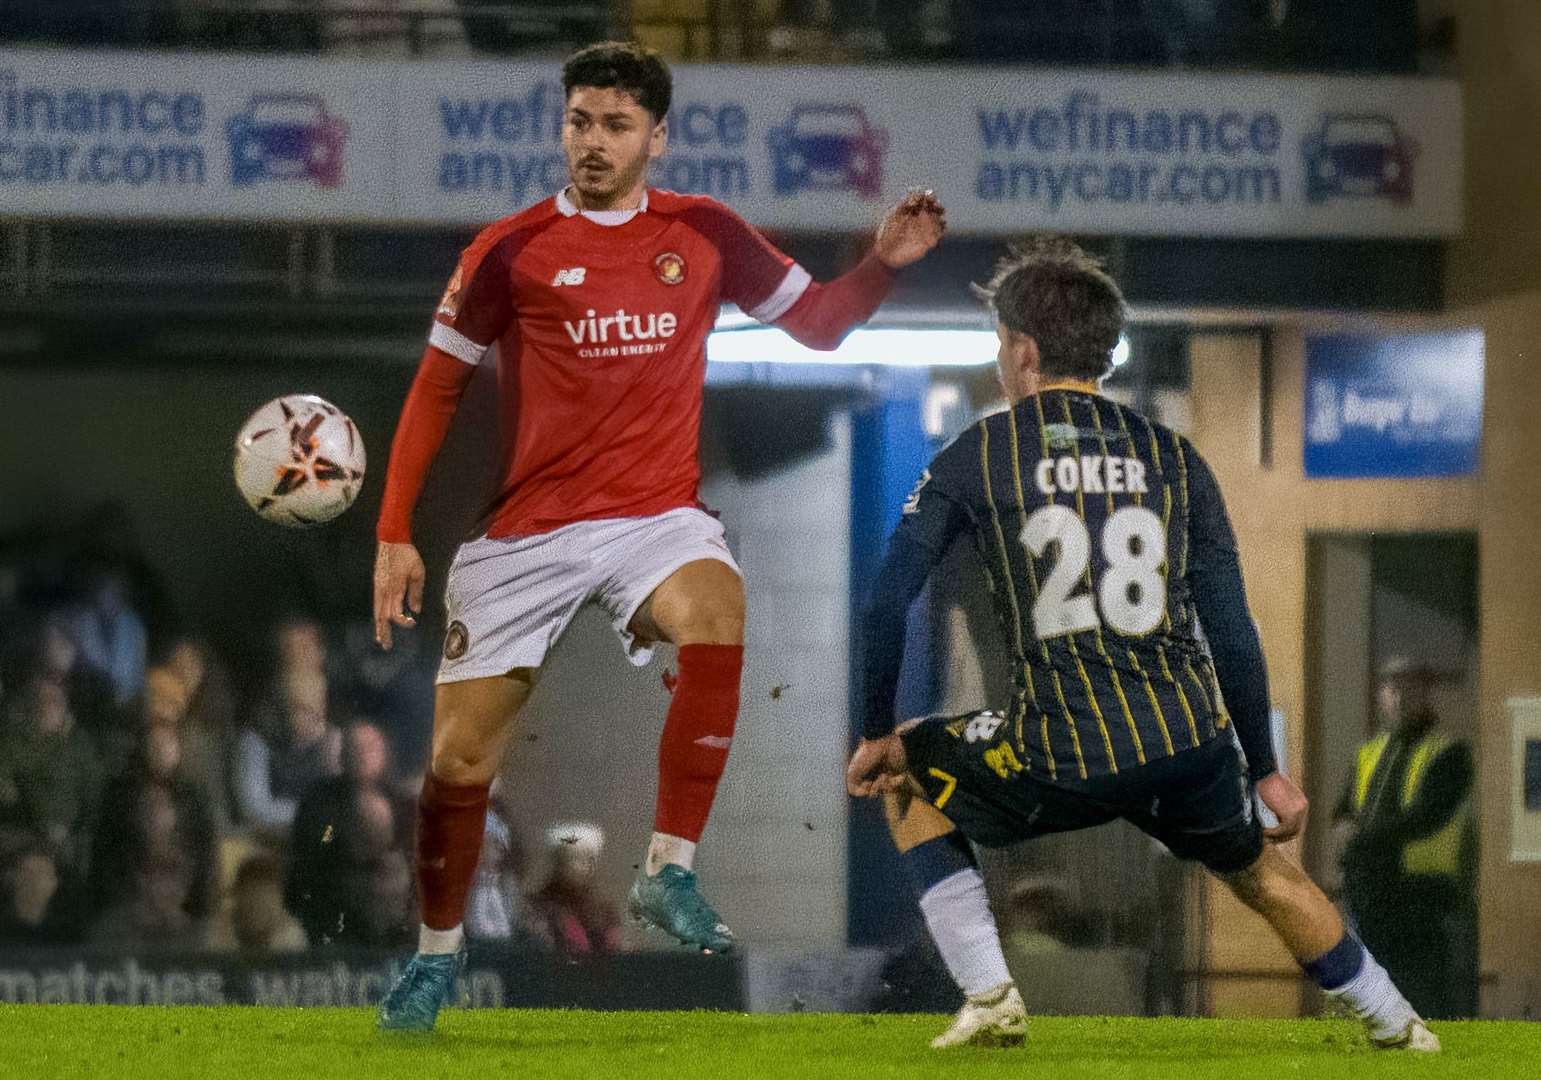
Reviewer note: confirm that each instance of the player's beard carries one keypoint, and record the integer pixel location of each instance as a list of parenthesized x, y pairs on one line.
[(601, 188)]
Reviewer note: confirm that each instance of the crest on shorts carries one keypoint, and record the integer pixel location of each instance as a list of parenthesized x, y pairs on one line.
[(670, 267), (982, 726), (456, 640), (454, 293)]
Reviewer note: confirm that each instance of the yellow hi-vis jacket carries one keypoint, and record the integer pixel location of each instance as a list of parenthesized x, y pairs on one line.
[(1439, 853)]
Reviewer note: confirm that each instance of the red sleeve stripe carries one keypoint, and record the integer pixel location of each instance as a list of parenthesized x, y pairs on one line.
[(780, 301), (456, 344)]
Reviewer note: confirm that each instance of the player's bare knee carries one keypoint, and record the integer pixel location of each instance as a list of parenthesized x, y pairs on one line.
[(711, 620), (458, 769)]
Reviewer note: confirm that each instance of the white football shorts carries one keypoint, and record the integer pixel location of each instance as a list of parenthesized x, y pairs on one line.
[(509, 600)]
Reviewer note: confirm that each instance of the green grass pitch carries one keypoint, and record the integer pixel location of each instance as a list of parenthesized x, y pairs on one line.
[(158, 1043)]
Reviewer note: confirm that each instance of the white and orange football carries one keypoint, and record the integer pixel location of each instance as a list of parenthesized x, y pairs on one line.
[(299, 461)]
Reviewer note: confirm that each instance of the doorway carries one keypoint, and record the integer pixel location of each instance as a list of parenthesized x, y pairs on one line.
[(1379, 604)]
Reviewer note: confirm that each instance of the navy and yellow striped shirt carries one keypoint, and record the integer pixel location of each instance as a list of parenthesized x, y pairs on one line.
[(1108, 547)]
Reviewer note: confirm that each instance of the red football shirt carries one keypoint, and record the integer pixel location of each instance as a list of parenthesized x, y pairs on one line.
[(601, 320)]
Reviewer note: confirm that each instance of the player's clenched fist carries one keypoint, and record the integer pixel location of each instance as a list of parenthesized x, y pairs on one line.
[(399, 576), (911, 229), (877, 766), (1288, 803)]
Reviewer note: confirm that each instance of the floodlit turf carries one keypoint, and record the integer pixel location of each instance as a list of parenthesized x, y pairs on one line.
[(38, 1042)]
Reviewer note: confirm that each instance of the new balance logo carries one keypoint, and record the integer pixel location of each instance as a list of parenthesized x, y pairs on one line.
[(716, 742), (573, 276)]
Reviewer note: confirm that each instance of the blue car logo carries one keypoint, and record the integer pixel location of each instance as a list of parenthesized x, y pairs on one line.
[(286, 137), (1353, 156), (828, 148)]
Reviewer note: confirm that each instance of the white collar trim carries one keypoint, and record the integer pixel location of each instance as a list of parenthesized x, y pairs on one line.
[(601, 217)]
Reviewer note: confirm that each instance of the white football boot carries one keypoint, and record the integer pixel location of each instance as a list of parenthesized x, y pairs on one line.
[(995, 1017), (1415, 1037)]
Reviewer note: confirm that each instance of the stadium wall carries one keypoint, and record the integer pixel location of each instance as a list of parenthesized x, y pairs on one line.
[(1496, 44), (1493, 280), (1275, 509)]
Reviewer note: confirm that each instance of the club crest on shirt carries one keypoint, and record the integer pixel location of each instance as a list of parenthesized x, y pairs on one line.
[(449, 305), (456, 640), (670, 267), (1061, 436)]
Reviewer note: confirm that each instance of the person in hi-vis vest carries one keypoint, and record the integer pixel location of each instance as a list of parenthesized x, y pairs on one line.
[(1409, 864)]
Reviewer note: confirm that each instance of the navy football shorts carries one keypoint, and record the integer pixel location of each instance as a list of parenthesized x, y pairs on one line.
[(1197, 802)]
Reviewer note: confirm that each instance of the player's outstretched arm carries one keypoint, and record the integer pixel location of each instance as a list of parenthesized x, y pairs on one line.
[(824, 314)]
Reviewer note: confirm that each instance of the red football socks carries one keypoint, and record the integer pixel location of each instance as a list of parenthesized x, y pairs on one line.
[(696, 737), (450, 824)]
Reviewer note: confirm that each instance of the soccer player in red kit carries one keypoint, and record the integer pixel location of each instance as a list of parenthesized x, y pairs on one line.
[(599, 300)]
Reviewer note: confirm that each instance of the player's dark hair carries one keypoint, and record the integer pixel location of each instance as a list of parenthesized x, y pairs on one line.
[(1048, 288), (624, 65)]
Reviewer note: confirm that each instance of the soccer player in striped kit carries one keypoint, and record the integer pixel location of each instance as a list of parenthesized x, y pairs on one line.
[(599, 301), (1108, 548)]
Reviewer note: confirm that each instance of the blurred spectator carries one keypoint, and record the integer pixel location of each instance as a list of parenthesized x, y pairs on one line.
[(301, 648), (344, 827), (389, 918), (155, 915), (33, 910), (569, 913), (111, 635), (50, 776), (289, 749), (56, 657), (254, 922), (155, 809), (177, 695), (495, 909), (212, 704), (393, 689)]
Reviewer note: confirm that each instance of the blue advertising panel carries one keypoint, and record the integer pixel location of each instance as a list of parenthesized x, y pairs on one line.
[(121, 135), (1399, 406)]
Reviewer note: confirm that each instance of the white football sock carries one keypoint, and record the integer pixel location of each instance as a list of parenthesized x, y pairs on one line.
[(958, 915), (1374, 998), (431, 942), (669, 849)]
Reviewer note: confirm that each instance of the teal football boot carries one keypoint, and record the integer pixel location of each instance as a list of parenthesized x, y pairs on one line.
[(426, 985), (669, 901)]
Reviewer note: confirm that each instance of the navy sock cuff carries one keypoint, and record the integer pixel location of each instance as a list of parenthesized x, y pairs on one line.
[(937, 860), (1338, 965)]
